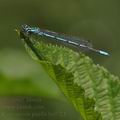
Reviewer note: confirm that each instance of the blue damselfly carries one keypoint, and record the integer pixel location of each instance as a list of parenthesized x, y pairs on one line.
[(61, 39)]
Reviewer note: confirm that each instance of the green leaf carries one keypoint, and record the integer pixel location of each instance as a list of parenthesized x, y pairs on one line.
[(94, 92)]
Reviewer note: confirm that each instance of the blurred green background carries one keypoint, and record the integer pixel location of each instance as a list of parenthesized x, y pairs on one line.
[(98, 21)]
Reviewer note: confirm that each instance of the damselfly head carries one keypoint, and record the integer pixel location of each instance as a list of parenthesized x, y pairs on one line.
[(25, 28)]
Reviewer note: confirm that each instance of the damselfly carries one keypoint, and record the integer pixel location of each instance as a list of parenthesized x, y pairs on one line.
[(60, 39)]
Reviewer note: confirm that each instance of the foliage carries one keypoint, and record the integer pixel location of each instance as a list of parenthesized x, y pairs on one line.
[(91, 88)]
